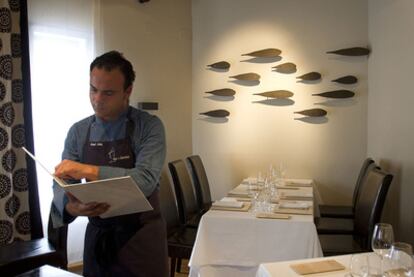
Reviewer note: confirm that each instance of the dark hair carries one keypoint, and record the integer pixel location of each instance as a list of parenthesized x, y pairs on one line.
[(112, 60)]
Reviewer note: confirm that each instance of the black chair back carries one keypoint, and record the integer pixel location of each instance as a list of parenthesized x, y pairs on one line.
[(367, 165), (201, 184), (180, 238), (168, 205), (370, 203), (186, 199)]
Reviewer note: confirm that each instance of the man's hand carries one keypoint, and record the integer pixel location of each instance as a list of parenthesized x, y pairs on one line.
[(68, 169), (76, 208)]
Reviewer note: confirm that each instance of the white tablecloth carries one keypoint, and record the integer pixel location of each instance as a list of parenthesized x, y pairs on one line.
[(282, 269), (235, 243)]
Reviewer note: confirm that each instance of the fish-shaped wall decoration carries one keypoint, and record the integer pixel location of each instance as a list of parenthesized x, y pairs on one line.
[(342, 93), (311, 76), (216, 113), (278, 94), (247, 77), (222, 92), (285, 68), (220, 65), (347, 80), (313, 112), (264, 53), (353, 51)]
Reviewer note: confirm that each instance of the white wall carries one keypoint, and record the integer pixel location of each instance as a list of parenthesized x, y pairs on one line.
[(391, 99), (156, 37), (257, 135)]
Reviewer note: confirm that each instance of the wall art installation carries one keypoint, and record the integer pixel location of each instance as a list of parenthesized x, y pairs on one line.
[(285, 68), (220, 65), (216, 113), (264, 53), (346, 80), (247, 77), (278, 94), (353, 51), (313, 112), (311, 76), (222, 92), (336, 94)]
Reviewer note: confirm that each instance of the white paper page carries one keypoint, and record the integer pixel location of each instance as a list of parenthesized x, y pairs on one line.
[(122, 193)]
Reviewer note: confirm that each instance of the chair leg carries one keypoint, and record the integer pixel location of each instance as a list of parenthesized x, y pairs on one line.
[(173, 262), (178, 265)]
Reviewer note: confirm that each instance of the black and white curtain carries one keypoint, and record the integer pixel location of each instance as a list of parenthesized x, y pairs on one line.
[(19, 207)]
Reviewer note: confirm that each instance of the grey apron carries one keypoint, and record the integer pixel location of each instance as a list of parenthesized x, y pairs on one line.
[(129, 245)]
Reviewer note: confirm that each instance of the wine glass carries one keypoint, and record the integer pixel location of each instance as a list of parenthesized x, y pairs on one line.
[(382, 238)]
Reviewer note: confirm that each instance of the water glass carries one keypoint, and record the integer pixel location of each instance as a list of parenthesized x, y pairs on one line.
[(252, 188), (260, 180), (400, 260), (365, 265), (262, 203)]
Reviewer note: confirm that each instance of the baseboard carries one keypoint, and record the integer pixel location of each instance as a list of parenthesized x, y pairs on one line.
[(76, 267)]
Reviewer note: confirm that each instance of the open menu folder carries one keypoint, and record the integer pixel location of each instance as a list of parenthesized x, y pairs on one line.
[(121, 193)]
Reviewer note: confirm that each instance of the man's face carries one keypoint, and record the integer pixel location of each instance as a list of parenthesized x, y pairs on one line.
[(107, 94)]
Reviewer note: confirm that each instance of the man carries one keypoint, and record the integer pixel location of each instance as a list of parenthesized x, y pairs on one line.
[(118, 140)]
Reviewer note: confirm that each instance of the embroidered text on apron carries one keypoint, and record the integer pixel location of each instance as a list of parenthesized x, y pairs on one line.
[(129, 245)]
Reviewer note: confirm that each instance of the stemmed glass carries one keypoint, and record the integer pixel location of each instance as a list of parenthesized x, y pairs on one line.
[(382, 239)]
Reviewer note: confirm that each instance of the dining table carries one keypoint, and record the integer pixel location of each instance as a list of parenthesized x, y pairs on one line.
[(235, 242)]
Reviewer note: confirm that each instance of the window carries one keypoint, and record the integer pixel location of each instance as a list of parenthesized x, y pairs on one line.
[(60, 97)]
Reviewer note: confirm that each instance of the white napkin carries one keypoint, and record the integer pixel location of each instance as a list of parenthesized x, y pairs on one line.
[(299, 182), (238, 192), (295, 205), (228, 202)]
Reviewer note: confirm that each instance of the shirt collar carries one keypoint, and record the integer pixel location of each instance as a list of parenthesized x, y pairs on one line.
[(122, 116)]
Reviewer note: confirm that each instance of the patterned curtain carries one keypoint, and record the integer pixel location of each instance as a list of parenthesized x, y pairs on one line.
[(15, 218)]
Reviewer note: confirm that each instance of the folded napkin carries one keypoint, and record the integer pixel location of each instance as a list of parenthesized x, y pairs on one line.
[(272, 216), (238, 192), (299, 194), (228, 202), (251, 180), (295, 205), (299, 182)]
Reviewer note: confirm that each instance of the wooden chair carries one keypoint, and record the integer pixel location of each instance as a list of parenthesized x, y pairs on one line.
[(180, 238), (188, 208), (347, 211), (22, 256), (200, 182), (368, 211)]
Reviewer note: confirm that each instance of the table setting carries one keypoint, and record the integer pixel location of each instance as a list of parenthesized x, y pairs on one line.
[(253, 224), (388, 259)]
